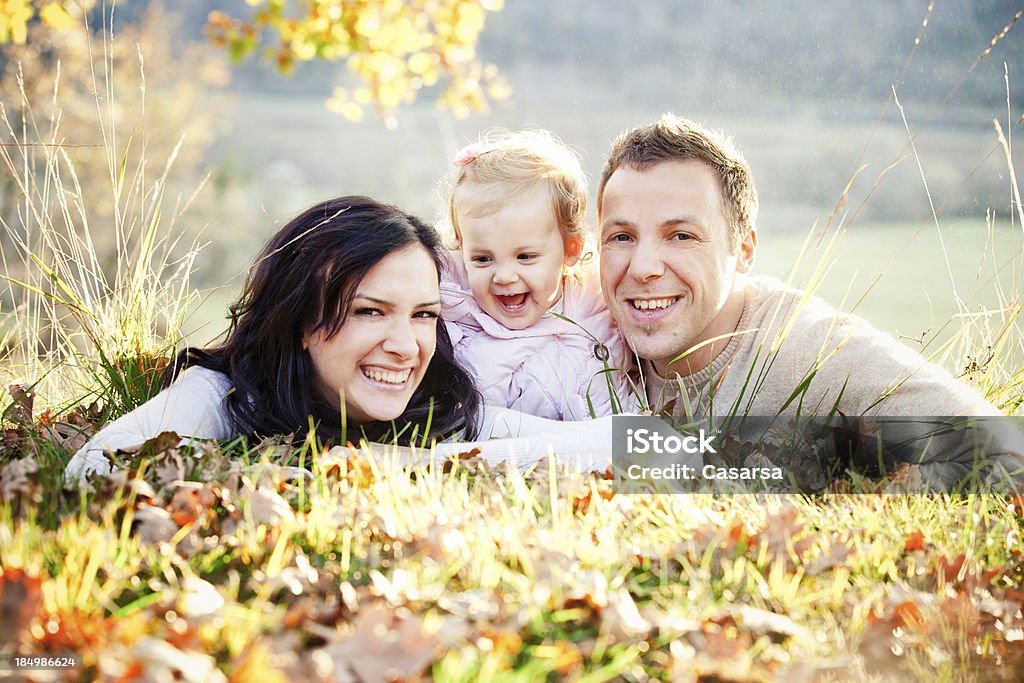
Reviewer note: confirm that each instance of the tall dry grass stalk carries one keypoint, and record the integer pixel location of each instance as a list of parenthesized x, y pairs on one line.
[(981, 344), (73, 327)]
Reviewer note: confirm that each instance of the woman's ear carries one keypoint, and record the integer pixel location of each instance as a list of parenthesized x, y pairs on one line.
[(573, 249)]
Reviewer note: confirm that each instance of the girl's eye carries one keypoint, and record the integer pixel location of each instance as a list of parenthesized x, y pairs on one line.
[(481, 260), (527, 257)]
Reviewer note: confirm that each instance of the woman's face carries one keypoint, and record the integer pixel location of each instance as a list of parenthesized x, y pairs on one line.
[(374, 363)]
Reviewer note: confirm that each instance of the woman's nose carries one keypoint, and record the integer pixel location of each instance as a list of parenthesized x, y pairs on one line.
[(401, 340)]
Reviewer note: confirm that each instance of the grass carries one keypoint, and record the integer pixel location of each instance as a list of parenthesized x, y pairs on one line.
[(218, 562), (481, 574)]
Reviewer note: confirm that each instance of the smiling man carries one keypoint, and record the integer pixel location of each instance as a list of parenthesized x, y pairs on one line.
[(677, 208)]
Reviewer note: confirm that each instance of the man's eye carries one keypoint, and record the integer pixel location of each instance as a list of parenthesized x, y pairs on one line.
[(682, 236), (619, 237)]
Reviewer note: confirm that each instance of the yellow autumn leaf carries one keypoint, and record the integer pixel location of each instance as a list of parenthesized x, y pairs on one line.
[(352, 111), (14, 15), (19, 32), (55, 16)]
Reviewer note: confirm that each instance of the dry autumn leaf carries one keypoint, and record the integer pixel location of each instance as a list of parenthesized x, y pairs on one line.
[(20, 410), (199, 598), (256, 666), (384, 645), (267, 506), (154, 525), (915, 541), (20, 597), (784, 536), (161, 661), (835, 556), (759, 622), (16, 480), (621, 619)]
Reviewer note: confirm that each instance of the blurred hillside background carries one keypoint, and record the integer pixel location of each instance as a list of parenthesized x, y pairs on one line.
[(799, 84)]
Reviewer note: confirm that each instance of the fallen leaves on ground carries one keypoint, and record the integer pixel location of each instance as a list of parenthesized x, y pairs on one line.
[(353, 569)]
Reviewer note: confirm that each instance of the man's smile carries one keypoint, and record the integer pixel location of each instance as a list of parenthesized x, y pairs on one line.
[(650, 304)]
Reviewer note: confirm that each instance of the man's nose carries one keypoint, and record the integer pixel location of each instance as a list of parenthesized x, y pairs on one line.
[(646, 262)]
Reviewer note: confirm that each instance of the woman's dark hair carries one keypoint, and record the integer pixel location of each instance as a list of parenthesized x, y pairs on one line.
[(303, 282)]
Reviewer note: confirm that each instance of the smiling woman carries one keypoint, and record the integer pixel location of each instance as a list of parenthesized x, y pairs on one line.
[(372, 365), (337, 326)]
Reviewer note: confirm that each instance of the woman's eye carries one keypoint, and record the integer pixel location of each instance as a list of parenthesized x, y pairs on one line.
[(429, 315), (368, 311)]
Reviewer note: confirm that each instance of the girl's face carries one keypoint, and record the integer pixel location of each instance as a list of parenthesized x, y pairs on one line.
[(514, 259), (374, 363)]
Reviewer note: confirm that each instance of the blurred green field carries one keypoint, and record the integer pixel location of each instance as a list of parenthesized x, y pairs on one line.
[(899, 276)]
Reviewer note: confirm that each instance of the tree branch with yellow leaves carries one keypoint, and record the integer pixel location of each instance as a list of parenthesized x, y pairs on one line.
[(395, 49)]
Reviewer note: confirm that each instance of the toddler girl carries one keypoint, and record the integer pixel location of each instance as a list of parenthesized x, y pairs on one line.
[(521, 296)]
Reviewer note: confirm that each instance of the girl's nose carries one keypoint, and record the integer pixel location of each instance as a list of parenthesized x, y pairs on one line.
[(505, 276)]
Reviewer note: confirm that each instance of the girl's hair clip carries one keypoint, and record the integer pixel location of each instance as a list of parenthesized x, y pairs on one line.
[(468, 154)]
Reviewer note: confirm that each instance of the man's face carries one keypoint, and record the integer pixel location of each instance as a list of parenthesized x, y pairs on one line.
[(667, 271)]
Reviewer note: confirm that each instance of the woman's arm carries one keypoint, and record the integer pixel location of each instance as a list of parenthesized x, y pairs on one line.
[(518, 439), (585, 443), (191, 407)]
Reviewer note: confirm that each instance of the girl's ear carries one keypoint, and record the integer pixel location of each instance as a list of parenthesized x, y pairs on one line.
[(573, 249)]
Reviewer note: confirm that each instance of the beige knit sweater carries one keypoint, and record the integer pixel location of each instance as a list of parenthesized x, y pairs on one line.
[(794, 354)]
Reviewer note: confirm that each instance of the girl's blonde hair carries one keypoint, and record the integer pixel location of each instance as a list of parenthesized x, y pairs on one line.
[(503, 165)]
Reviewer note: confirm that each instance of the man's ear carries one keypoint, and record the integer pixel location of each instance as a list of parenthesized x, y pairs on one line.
[(573, 249), (747, 251)]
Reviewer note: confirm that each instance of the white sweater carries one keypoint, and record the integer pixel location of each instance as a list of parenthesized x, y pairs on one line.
[(193, 408)]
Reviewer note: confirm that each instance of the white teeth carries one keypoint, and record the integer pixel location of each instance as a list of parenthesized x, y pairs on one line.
[(387, 376), (653, 304)]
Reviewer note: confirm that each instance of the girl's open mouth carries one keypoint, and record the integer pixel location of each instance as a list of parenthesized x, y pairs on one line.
[(513, 302)]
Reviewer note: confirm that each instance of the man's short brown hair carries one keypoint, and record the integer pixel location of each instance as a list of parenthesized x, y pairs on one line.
[(672, 138)]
